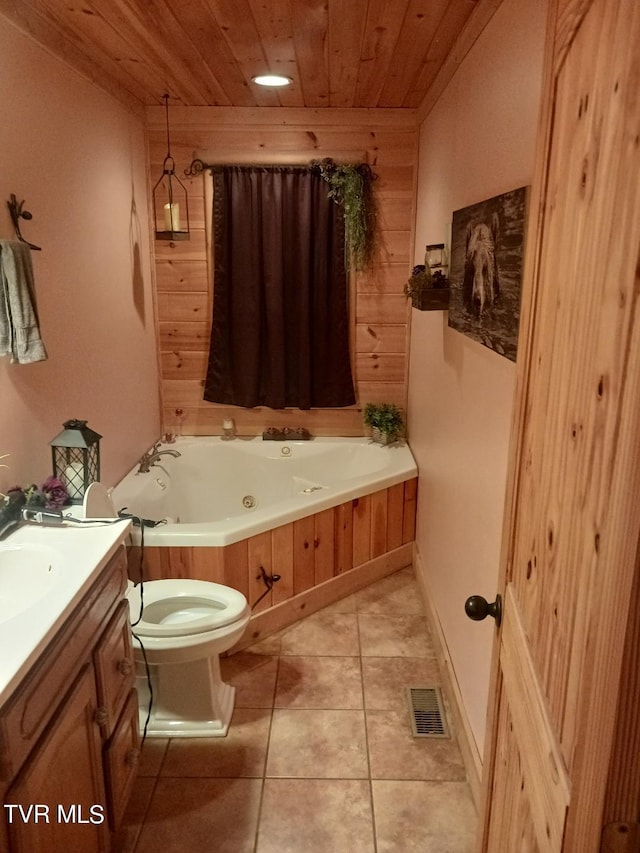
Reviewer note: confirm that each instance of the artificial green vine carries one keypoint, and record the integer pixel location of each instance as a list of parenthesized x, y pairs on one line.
[(350, 187)]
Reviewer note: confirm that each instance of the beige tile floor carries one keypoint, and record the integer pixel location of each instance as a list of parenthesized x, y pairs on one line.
[(319, 757)]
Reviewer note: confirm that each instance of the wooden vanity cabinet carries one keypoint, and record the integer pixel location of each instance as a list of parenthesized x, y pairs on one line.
[(69, 742)]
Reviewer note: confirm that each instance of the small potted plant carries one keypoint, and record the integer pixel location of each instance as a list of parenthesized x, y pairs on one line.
[(385, 421), (427, 289)]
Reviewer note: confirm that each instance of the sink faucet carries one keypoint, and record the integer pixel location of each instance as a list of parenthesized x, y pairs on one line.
[(151, 457)]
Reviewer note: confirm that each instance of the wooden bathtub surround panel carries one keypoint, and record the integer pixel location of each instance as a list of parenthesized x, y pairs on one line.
[(194, 563), (283, 561), (312, 600), (236, 567), (409, 514), (379, 523), (260, 556), (306, 553), (303, 554), (361, 522), (343, 538), (395, 516), (387, 140), (323, 546)]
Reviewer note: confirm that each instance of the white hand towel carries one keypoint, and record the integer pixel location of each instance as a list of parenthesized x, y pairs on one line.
[(19, 332)]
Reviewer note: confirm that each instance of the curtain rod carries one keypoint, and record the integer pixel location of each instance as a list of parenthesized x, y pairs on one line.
[(198, 166)]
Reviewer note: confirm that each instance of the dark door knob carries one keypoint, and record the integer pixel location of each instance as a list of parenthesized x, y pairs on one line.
[(478, 608)]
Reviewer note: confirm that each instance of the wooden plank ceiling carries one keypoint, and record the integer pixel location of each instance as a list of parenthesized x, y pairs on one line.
[(338, 53)]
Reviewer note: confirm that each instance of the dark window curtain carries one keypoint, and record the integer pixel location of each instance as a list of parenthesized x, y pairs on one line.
[(280, 333)]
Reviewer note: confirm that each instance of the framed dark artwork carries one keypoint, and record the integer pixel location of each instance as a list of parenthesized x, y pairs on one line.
[(485, 272)]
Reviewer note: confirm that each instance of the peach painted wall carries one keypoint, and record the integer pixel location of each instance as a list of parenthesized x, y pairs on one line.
[(478, 141), (78, 159)]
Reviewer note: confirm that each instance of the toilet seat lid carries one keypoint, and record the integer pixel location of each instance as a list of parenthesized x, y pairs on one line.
[(175, 608)]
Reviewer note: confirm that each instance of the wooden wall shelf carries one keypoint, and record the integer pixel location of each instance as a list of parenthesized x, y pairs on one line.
[(432, 299)]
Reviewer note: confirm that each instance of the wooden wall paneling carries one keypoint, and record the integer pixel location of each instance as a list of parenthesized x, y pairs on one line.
[(381, 392), (282, 562), (344, 537), (178, 392), (377, 338), (182, 276), (187, 365), (303, 554), (323, 546), (409, 515), (395, 516), (383, 278), (378, 308), (395, 247), (206, 418), (361, 520), (236, 567), (184, 336), (193, 249), (379, 523), (182, 306), (380, 366), (259, 557), (387, 139)]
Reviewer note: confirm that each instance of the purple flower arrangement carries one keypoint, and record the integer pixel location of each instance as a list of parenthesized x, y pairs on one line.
[(52, 494)]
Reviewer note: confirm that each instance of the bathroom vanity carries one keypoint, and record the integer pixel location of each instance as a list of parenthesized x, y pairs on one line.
[(69, 741)]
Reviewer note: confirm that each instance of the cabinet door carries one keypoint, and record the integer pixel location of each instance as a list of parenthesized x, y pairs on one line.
[(121, 757), (115, 676), (58, 799)]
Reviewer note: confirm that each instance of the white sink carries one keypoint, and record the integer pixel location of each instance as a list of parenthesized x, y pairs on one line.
[(28, 573)]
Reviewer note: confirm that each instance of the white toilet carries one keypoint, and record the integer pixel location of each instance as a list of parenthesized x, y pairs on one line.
[(185, 626)]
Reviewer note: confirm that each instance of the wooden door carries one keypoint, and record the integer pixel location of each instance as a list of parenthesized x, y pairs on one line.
[(573, 511)]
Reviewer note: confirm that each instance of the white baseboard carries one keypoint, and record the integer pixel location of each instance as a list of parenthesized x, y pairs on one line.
[(451, 689)]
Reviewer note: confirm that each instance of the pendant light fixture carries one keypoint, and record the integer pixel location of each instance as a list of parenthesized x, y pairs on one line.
[(170, 200)]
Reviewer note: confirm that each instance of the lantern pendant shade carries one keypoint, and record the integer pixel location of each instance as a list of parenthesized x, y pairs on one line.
[(76, 458), (170, 199)]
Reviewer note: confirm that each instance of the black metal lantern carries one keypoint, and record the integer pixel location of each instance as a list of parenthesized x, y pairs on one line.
[(76, 458), (170, 200)]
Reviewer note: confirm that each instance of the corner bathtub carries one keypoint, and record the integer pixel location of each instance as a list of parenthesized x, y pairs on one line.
[(221, 492)]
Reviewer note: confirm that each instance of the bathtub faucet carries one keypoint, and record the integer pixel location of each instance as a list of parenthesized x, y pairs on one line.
[(151, 457)]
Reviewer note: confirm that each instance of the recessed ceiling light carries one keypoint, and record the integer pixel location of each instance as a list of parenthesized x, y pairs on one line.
[(272, 80)]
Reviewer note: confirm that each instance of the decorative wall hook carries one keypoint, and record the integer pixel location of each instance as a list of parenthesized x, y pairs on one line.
[(17, 213)]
